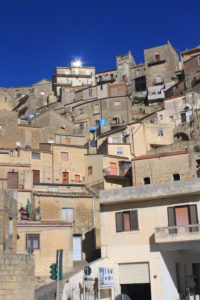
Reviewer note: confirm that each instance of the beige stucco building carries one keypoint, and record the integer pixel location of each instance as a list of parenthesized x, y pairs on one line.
[(150, 242)]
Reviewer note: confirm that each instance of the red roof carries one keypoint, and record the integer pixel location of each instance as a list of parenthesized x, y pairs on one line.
[(148, 156)]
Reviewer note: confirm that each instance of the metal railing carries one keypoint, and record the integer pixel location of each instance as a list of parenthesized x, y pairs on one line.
[(162, 232)]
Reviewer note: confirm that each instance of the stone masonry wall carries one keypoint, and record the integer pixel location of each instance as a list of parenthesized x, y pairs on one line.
[(161, 169), (16, 277)]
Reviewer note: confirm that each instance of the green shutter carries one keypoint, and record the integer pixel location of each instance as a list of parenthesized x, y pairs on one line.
[(134, 219), (119, 222)]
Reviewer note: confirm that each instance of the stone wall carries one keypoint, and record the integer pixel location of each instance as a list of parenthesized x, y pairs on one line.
[(17, 277), (161, 168), (166, 65)]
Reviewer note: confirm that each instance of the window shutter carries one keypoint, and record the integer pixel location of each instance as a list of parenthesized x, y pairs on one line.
[(119, 222), (171, 217), (193, 214), (134, 220)]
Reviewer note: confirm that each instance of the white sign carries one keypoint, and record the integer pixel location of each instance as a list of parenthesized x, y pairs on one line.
[(106, 276)]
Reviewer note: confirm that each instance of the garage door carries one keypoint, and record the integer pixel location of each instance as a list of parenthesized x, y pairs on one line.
[(134, 273)]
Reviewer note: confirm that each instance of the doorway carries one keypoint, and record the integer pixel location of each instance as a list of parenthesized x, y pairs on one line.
[(77, 247), (137, 291)]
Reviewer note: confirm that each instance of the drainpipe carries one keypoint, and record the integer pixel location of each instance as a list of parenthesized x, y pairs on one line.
[(52, 164)]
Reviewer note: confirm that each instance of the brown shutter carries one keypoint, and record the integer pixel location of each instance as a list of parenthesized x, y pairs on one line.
[(171, 217), (119, 222), (12, 180), (193, 214), (134, 220), (36, 176)]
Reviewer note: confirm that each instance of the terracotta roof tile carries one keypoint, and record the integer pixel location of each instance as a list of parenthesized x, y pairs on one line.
[(148, 156)]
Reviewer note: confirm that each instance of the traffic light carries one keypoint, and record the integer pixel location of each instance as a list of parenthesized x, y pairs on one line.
[(53, 272)]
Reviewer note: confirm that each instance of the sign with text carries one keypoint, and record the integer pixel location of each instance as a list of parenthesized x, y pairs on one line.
[(106, 276)]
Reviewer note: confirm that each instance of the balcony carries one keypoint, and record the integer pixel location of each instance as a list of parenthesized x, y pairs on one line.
[(156, 62), (173, 234), (110, 171)]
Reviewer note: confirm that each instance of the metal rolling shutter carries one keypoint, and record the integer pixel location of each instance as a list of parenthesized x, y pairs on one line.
[(134, 273)]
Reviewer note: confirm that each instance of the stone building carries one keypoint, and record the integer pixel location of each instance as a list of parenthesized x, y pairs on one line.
[(161, 63), (17, 271), (162, 167), (75, 76), (113, 106), (191, 68)]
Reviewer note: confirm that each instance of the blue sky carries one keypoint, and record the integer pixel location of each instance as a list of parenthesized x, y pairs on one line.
[(38, 35)]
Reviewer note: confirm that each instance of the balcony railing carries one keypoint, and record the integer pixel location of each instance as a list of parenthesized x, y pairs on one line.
[(177, 233)]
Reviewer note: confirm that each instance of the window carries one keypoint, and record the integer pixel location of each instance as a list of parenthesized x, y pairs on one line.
[(77, 178), (12, 180), (81, 125), (80, 111), (182, 216), (160, 132), (157, 57), (171, 118), (116, 139), (90, 170), (35, 155), (96, 108), (176, 177), (147, 180), (161, 117), (36, 176), (126, 220), (117, 103), (140, 84), (32, 241), (90, 92), (120, 150), (138, 73), (68, 214), (65, 177), (64, 156)]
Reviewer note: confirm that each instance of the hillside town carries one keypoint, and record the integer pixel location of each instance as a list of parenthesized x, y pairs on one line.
[(99, 179)]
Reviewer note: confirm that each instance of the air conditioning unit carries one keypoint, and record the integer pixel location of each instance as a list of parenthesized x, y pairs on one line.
[(62, 126)]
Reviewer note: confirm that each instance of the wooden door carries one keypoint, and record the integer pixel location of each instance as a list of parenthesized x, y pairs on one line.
[(36, 176), (182, 215), (12, 180), (65, 177)]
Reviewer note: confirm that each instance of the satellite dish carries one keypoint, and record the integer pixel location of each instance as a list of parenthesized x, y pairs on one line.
[(122, 297), (18, 144)]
